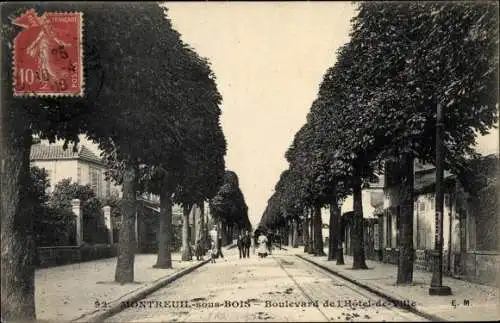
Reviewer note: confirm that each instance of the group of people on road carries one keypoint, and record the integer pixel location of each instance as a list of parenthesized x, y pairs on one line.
[(244, 243), (208, 245), (262, 244)]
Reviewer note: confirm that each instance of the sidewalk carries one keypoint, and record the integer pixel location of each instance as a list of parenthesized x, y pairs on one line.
[(473, 301), (65, 293)]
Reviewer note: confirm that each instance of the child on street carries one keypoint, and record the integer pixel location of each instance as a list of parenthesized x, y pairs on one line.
[(212, 253)]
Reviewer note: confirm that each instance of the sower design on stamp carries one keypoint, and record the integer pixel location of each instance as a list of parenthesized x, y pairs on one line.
[(47, 55)]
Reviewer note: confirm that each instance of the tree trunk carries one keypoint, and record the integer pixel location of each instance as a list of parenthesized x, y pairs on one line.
[(295, 243), (126, 244), (164, 259), (340, 230), (222, 232), (186, 250), (357, 228), (281, 237), (225, 234), (200, 235), (311, 231), (318, 235), (18, 246), (290, 233), (193, 228), (405, 265), (340, 250), (305, 233), (220, 236), (333, 239)]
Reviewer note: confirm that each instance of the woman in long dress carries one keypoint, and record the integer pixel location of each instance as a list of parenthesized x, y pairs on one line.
[(262, 249)]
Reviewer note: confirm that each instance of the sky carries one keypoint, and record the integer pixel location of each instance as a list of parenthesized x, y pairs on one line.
[(269, 59)]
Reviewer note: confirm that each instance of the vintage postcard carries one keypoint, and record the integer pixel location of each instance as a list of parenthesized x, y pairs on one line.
[(249, 161)]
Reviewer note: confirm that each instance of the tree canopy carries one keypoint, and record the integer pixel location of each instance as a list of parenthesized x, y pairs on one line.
[(228, 205)]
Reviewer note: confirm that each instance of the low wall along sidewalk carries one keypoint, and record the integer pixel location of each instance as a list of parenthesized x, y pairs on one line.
[(64, 255)]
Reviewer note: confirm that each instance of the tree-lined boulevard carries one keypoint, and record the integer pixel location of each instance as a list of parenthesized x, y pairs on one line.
[(376, 111), (415, 81)]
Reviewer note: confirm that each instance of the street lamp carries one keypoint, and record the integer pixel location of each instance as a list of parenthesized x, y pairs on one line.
[(437, 287)]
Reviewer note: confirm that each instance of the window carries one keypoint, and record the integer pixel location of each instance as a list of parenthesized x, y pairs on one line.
[(422, 207), (95, 180)]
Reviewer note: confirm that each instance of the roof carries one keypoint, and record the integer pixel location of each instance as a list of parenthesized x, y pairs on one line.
[(177, 215), (377, 182), (426, 179), (57, 152), (423, 167)]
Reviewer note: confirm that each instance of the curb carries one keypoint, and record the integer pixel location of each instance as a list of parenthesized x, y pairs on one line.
[(378, 292), (116, 306)]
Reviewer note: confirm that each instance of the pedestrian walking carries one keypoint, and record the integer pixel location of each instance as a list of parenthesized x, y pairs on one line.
[(213, 253), (262, 250), (198, 250), (192, 251), (240, 245), (219, 248), (247, 243)]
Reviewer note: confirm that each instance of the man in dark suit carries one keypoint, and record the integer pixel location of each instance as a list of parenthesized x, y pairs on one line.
[(247, 243), (241, 247)]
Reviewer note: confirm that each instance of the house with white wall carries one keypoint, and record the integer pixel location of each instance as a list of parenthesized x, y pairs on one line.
[(81, 166)]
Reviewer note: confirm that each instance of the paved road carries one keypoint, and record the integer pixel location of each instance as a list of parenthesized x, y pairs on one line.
[(281, 287)]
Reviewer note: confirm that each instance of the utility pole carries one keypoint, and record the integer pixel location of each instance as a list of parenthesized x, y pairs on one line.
[(437, 287)]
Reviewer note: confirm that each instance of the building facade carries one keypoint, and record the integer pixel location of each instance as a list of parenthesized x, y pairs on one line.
[(82, 167), (148, 220), (467, 251)]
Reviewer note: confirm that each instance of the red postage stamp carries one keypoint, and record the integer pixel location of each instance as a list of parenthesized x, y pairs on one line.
[(47, 54)]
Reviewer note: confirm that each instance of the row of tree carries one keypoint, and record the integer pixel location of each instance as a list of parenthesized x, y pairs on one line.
[(376, 110), (229, 209), (152, 106)]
